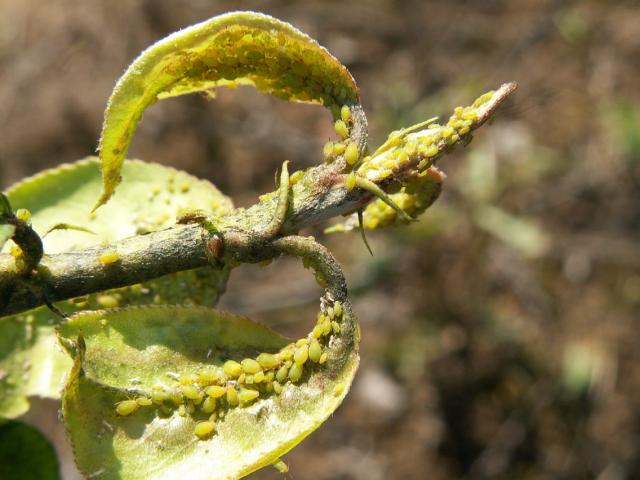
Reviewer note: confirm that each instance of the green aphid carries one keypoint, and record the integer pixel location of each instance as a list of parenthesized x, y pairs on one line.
[(204, 429), (191, 392), (266, 360), (259, 377), (337, 309), (277, 387), (242, 378), (341, 129), (250, 366), (144, 401), (339, 148), (315, 351), (158, 396), (107, 301), (215, 391), (323, 358), (109, 257), (330, 313), (247, 395), (232, 368), (327, 150), (248, 380), (269, 376), (232, 396), (302, 341), (182, 411), (295, 373), (208, 405), (301, 355), (23, 214), (326, 327), (126, 407), (317, 331), (174, 396), (282, 374), (189, 379), (335, 326), (208, 377), (345, 114), (351, 154)]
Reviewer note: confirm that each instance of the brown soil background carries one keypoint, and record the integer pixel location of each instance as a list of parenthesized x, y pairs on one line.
[(500, 333)]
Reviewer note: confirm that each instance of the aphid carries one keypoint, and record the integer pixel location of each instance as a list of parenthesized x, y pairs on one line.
[(301, 355), (277, 387), (23, 214), (109, 257), (215, 391), (266, 360), (338, 389), (144, 401), (345, 114), (126, 407), (341, 129), (323, 358), (339, 148), (232, 396), (296, 177), (335, 326), (295, 373), (337, 309), (350, 181), (351, 154), (315, 351), (232, 368), (327, 150), (182, 411), (191, 392), (250, 366), (204, 429), (247, 395), (208, 405), (317, 331), (302, 341), (258, 377), (207, 377), (108, 301), (158, 396), (282, 374)]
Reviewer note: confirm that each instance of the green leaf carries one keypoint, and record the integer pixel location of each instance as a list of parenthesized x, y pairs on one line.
[(25, 454), (5, 205), (241, 48), (6, 232), (122, 354), (31, 363)]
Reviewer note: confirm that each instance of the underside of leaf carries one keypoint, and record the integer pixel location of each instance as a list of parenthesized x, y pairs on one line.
[(241, 48)]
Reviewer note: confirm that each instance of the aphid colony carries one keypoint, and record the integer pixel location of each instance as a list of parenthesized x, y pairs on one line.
[(407, 160), (417, 149), (212, 391), (288, 65), (349, 149)]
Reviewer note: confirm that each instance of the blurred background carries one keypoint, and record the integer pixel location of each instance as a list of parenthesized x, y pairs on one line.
[(501, 332)]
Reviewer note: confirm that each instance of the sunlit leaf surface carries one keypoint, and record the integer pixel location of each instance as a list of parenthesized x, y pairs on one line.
[(241, 48)]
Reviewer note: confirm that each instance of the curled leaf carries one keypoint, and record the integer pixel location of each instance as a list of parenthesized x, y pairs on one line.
[(173, 356), (240, 48)]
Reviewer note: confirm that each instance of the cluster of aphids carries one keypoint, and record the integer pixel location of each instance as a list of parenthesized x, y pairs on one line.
[(349, 149), (213, 391), (416, 148)]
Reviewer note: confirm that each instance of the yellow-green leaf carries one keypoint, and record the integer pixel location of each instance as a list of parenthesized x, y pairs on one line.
[(240, 48), (128, 354), (31, 363)]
